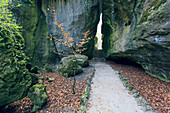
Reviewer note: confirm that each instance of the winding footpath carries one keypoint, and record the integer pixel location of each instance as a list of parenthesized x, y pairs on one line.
[(108, 95)]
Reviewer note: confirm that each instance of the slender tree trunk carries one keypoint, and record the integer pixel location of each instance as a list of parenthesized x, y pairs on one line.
[(73, 88), (74, 82)]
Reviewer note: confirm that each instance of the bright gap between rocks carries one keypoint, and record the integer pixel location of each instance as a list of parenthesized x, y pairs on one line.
[(99, 34)]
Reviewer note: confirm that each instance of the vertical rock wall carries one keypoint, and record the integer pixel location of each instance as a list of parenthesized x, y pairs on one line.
[(139, 30), (77, 17), (136, 29), (35, 32)]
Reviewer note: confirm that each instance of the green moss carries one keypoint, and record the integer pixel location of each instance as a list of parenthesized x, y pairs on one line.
[(108, 37), (46, 69), (70, 68), (95, 40), (13, 75), (38, 95), (90, 48), (35, 32), (155, 5), (85, 96)]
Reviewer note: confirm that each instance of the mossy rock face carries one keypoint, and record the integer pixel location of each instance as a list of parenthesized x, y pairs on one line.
[(38, 47), (38, 95), (153, 6), (70, 68), (15, 79), (46, 69), (81, 59), (139, 30)]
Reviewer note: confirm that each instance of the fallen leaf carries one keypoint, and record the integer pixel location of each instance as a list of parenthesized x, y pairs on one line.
[(129, 93), (100, 103)]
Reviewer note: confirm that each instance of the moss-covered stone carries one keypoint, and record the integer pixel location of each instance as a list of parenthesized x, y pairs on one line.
[(153, 6), (82, 60), (47, 69), (15, 79), (38, 95), (70, 68)]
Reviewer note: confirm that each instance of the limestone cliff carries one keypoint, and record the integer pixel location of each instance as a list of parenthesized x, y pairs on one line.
[(135, 29), (38, 25), (35, 32), (77, 17), (139, 30)]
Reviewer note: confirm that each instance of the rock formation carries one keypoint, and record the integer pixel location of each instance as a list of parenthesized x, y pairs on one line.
[(135, 29), (15, 79), (76, 16), (35, 32), (139, 30)]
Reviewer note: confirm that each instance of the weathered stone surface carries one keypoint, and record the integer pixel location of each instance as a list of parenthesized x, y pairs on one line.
[(38, 95), (81, 59), (77, 17), (35, 32), (15, 79), (37, 20), (70, 68), (139, 30)]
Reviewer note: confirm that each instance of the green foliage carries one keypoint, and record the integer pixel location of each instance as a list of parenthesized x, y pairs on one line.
[(30, 1), (153, 6), (5, 10), (15, 79), (13, 72), (12, 41)]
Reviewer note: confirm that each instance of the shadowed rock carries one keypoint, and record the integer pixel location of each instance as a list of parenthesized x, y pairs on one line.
[(140, 31)]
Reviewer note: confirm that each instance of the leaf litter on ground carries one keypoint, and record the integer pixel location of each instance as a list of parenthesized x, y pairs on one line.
[(155, 91), (60, 94)]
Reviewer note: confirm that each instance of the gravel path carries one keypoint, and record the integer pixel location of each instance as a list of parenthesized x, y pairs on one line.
[(108, 95)]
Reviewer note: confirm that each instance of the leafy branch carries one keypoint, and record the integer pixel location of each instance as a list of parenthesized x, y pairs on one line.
[(71, 45), (6, 14)]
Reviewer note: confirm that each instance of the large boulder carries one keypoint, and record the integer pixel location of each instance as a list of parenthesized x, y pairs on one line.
[(38, 95), (140, 31), (70, 68), (15, 79), (81, 59)]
